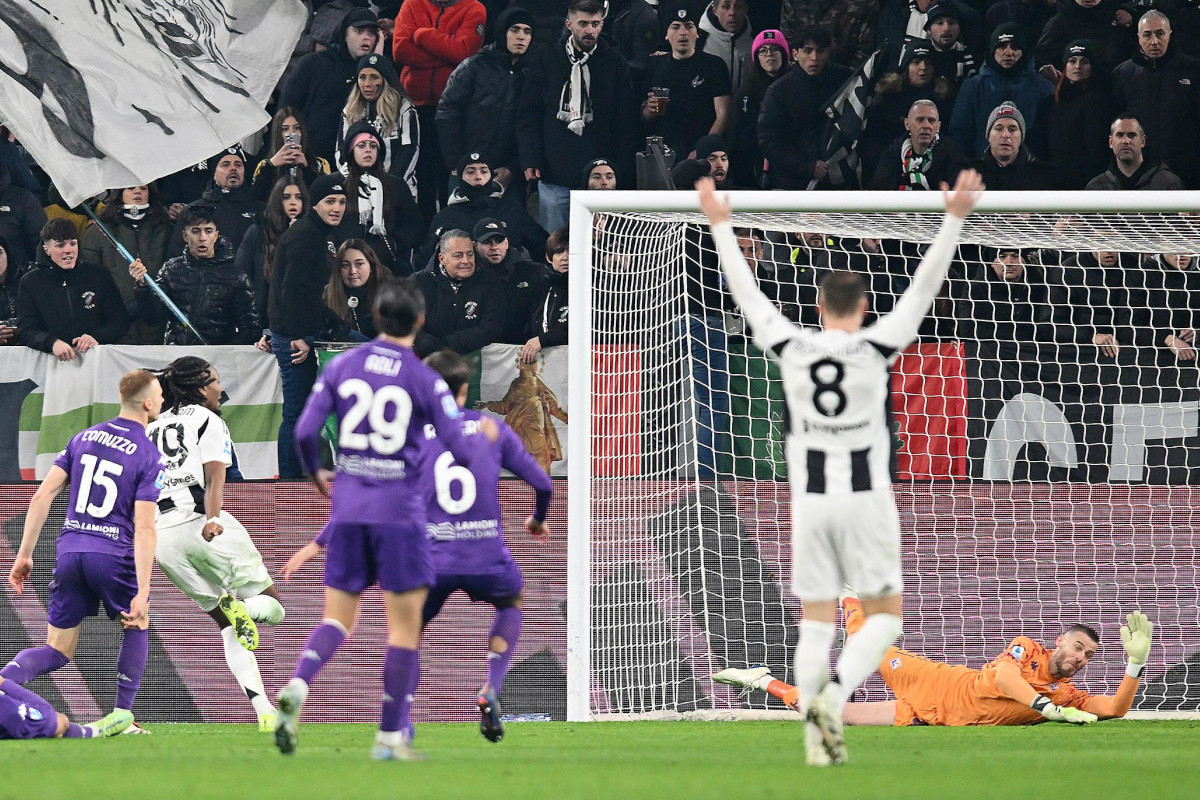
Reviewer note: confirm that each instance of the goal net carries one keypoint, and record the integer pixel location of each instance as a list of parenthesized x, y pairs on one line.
[(1047, 434)]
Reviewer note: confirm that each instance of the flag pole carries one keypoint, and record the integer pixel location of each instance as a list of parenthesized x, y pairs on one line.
[(153, 284)]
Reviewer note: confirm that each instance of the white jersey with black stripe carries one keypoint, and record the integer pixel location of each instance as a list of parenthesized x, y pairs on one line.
[(188, 437), (836, 383)]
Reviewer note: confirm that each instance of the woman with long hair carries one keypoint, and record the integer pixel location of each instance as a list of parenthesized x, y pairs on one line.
[(1080, 117), (379, 208), (292, 154), (770, 58), (378, 98), (350, 293), (256, 255), (137, 216)]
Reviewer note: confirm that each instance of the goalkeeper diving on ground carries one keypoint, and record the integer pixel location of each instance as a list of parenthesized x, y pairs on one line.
[(845, 527), (1025, 685)]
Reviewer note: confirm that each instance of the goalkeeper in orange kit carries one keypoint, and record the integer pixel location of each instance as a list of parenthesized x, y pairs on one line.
[(1024, 685)]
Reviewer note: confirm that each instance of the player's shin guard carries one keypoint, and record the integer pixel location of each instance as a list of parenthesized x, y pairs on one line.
[(863, 652), (322, 643), (244, 666), (28, 664), (812, 660), (264, 608), (507, 626), (401, 674), (131, 664)]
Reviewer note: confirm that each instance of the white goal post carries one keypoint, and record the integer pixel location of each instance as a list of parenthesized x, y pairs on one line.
[(1047, 474)]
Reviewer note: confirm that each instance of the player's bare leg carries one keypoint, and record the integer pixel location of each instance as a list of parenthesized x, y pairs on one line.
[(401, 674)]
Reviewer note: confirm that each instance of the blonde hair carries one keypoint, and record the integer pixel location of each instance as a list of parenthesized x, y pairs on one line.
[(388, 107), (134, 385)]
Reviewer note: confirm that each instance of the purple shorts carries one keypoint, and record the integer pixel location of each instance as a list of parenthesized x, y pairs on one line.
[(24, 714), (361, 554), (82, 581), (492, 587)]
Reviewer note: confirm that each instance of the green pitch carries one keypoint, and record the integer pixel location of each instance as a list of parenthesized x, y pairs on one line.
[(615, 761)]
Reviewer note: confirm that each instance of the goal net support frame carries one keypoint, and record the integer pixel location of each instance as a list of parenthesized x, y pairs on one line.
[(588, 434)]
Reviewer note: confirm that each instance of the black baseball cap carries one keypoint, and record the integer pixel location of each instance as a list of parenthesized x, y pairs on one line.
[(489, 228)]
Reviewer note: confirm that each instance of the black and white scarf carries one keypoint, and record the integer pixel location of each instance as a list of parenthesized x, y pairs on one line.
[(575, 103), (914, 165)]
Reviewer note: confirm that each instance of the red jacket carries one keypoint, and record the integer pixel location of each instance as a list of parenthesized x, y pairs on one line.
[(431, 40)]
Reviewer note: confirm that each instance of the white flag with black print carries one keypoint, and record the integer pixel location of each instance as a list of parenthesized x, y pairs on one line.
[(114, 93), (847, 112)]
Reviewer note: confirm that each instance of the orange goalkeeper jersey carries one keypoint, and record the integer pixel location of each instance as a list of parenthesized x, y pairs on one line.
[(931, 693)]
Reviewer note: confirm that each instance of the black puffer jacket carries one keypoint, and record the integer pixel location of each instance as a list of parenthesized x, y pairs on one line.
[(55, 303), (1164, 95), (548, 322), (523, 281), (235, 211), (214, 294), (462, 316), (469, 204)]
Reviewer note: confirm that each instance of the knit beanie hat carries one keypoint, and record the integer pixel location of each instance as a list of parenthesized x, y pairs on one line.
[(324, 186), (381, 64), (772, 37), (1006, 109)]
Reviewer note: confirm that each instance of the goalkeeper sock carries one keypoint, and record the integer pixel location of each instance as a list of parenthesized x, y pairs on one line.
[(244, 666), (784, 691), (862, 654), (812, 660)]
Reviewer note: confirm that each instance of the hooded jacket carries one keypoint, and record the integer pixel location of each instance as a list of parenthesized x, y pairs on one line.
[(732, 48), (1073, 21), (214, 294), (55, 303), (1164, 95), (548, 320), (980, 94), (523, 281), (462, 316), (304, 260), (21, 221), (146, 239), (235, 210), (432, 37), (1078, 124), (633, 28), (477, 111), (469, 204)]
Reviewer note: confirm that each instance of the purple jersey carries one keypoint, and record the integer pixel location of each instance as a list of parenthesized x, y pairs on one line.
[(110, 467), (383, 397), (464, 507)]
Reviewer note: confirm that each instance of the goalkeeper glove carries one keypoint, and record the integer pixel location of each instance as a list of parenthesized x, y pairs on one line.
[(1136, 639), (1054, 713)]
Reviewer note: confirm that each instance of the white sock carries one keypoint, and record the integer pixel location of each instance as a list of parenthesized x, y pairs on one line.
[(244, 667), (812, 660), (863, 652), (264, 608)]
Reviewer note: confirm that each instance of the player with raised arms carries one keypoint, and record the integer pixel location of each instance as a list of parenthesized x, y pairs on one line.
[(106, 547), (467, 536), (845, 528), (1026, 684), (202, 548), (383, 397)]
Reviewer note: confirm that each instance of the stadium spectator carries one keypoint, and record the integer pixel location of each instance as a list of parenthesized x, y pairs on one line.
[(19, 172), (1173, 298), (378, 98), (66, 306), (138, 218), (292, 155), (1161, 87), (322, 80), (9, 280), (1006, 300), (1130, 168), (1007, 164), (727, 32), (521, 277), (1079, 117), (548, 322), (479, 195), (382, 210), (205, 283), (1097, 285), (851, 24), (772, 57), (791, 122), (950, 57), (477, 111), (350, 293), (230, 198), (686, 92), (464, 305), (577, 105), (1007, 75), (632, 25), (895, 93), (256, 254), (920, 159), (711, 160), (21, 221), (304, 260), (901, 23), (431, 39), (1105, 22), (1030, 16), (780, 282), (599, 175)]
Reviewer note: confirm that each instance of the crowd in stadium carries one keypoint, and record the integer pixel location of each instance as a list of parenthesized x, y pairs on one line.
[(440, 139)]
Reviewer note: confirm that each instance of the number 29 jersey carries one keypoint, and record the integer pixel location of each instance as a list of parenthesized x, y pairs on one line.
[(188, 437)]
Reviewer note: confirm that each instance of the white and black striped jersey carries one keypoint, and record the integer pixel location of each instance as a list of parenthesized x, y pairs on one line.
[(188, 437), (836, 383)]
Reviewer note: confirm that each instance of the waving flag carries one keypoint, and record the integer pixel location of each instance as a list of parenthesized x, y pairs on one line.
[(110, 93), (848, 109)]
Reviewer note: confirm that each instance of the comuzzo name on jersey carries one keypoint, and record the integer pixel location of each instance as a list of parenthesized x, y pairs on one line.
[(109, 440)]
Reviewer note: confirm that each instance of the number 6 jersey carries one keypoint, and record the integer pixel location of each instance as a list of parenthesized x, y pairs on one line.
[(188, 437)]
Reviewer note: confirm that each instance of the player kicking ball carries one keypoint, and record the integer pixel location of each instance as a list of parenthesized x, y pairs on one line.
[(203, 550), (1024, 685), (845, 527), (467, 537), (27, 715)]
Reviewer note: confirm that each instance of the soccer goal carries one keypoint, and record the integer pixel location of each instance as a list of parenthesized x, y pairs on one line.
[(1047, 432)]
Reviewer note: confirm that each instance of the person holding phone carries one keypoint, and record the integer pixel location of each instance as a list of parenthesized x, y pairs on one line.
[(292, 156)]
